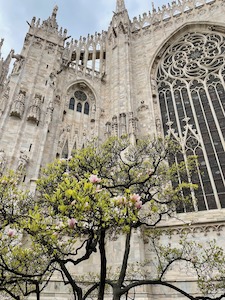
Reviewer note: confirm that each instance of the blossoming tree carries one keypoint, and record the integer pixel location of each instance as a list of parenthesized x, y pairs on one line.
[(105, 191), (19, 276), (102, 191)]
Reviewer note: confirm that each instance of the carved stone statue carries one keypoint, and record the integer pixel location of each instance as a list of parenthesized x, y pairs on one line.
[(158, 125), (18, 105), (18, 56), (4, 100), (61, 138), (49, 113), (23, 161), (52, 79), (2, 161), (18, 62), (35, 109)]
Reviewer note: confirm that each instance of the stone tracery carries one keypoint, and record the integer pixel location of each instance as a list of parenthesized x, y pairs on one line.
[(191, 92)]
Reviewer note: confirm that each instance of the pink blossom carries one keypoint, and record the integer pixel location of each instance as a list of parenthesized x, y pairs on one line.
[(135, 197), (11, 232), (71, 223), (138, 204), (73, 202), (94, 179)]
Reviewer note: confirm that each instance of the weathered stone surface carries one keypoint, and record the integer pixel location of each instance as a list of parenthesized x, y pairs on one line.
[(112, 78)]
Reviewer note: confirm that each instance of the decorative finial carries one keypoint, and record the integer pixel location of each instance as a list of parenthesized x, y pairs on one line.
[(1, 43), (153, 7), (55, 10), (120, 6)]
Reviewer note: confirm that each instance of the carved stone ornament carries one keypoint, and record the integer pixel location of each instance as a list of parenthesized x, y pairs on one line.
[(143, 106), (35, 110), (23, 161), (49, 113), (2, 161), (4, 100), (17, 109), (57, 99)]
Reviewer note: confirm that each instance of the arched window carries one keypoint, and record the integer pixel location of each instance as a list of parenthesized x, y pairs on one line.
[(72, 104), (65, 151), (79, 107), (86, 108), (190, 80)]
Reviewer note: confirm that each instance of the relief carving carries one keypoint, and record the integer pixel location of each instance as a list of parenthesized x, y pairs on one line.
[(142, 107)]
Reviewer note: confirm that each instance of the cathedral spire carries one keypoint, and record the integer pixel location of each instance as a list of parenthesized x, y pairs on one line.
[(120, 6), (1, 43), (4, 69), (51, 23), (54, 12)]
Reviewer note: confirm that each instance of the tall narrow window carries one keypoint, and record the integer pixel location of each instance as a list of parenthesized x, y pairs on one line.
[(86, 108), (72, 104), (65, 151), (79, 107), (190, 80)]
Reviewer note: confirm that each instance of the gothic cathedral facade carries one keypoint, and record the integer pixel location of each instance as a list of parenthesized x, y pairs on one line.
[(161, 73)]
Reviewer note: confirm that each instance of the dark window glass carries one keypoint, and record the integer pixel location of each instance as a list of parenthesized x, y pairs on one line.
[(192, 102), (79, 107), (86, 108), (72, 104)]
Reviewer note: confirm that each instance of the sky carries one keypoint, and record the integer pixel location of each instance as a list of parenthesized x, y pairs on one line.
[(79, 17)]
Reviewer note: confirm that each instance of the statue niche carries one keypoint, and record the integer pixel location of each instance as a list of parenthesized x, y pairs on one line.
[(34, 110), (18, 105)]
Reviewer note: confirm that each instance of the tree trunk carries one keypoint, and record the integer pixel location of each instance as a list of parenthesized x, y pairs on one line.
[(38, 292), (123, 269), (116, 293), (101, 291), (77, 291)]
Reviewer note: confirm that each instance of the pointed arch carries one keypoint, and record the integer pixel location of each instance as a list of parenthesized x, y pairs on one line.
[(72, 103), (86, 108), (191, 94), (75, 145), (83, 82), (74, 148), (65, 151)]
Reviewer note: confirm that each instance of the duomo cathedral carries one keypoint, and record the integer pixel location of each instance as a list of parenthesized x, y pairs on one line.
[(161, 73)]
